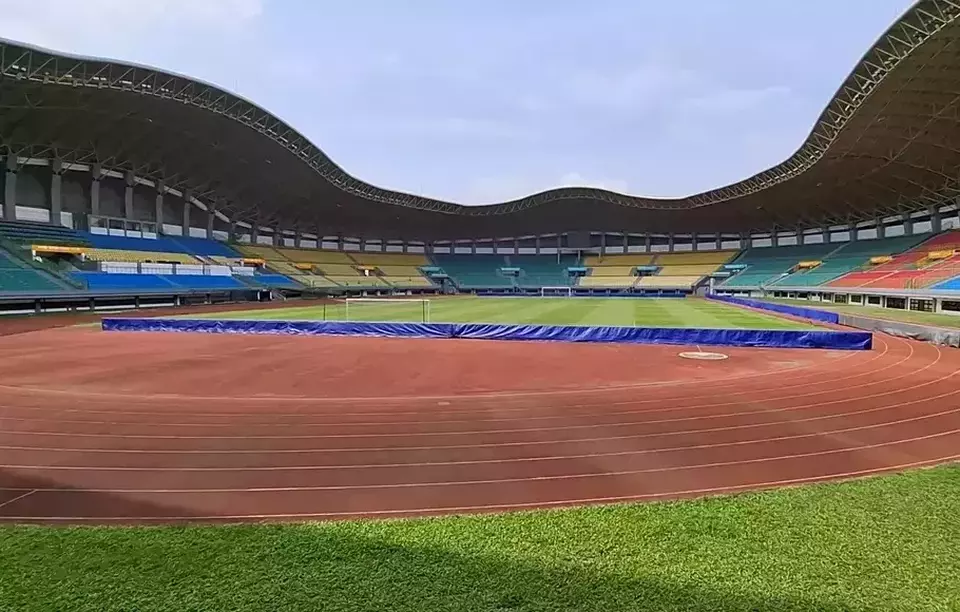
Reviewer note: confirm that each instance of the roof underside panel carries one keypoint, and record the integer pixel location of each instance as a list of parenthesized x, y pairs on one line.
[(888, 143)]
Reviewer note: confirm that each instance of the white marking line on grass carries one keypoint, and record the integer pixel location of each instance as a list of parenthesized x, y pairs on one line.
[(364, 466), (520, 479)]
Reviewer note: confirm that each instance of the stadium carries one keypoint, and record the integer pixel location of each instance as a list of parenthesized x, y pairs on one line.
[(205, 320)]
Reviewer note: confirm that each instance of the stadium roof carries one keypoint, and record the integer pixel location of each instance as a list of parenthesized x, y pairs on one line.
[(887, 143)]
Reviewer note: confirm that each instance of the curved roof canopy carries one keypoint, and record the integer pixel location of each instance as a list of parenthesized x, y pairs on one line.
[(887, 143)]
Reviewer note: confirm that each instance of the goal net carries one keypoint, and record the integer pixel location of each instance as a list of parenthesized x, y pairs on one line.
[(556, 292), (388, 310)]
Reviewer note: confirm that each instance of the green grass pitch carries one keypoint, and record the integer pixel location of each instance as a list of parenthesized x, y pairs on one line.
[(888, 543), (642, 312)]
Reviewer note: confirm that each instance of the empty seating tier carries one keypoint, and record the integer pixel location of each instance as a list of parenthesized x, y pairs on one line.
[(475, 271), (668, 282), (161, 244), (912, 269), (139, 256), (18, 278), (630, 259), (103, 281), (27, 232), (695, 258), (767, 264)]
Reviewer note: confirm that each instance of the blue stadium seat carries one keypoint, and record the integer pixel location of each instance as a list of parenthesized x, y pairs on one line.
[(951, 285), (104, 281), (162, 244)]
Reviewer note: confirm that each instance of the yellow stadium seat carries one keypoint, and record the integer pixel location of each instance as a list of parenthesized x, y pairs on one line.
[(138, 256), (412, 260), (668, 282), (688, 270), (636, 259), (608, 281), (613, 271), (694, 258)]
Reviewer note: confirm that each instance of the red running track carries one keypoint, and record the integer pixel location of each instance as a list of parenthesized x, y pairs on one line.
[(106, 428)]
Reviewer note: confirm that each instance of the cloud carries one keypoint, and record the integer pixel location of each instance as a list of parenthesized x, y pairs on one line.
[(110, 24)]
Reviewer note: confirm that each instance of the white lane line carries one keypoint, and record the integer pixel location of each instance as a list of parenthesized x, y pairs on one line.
[(498, 481)]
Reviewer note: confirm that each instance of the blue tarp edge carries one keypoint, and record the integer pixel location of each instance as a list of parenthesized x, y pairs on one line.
[(824, 339), (796, 311)]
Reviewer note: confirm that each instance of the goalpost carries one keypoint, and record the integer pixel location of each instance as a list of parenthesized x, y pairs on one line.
[(387, 309), (556, 291)]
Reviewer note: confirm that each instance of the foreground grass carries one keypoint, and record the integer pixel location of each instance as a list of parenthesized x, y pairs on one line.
[(908, 316), (649, 312), (890, 543)]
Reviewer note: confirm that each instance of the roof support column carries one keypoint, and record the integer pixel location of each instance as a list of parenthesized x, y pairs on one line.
[(129, 181), (9, 209), (694, 242), (800, 237), (339, 242), (96, 173), (670, 242), (319, 237), (56, 192), (718, 241), (516, 246), (158, 207), (853, 232), (473, 247), (907, 224), (255, 232), (626, 243), (936, 224), (744, 241), (185, 223), (881, 228), (826, 235), (536, 244), (774, 239), (297, 238), (211, 219), (277, 236), (603, 244), (647, 243)]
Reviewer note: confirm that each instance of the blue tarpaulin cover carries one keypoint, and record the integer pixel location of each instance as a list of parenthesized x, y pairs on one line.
[(797, 311), (842, 340)]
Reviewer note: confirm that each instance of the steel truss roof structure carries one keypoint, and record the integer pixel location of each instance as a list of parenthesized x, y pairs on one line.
[(887, 143)]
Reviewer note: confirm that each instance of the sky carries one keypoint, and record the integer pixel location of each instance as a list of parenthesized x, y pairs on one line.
[(482, 102)]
